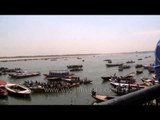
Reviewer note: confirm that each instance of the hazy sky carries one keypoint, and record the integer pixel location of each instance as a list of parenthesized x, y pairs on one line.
[(77, 34)]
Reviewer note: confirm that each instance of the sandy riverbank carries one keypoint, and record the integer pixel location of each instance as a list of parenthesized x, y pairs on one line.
[(27, 58)]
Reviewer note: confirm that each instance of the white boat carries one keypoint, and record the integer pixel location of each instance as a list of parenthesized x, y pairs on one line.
[(17, 89), (115, 84)]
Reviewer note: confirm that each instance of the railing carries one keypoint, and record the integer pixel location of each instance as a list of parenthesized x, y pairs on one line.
[(135, 98)]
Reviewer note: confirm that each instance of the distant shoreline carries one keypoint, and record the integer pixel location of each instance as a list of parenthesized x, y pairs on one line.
[(46, 57), (70, 54), (39, 57)]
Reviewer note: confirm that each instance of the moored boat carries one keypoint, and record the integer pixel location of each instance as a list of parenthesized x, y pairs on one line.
[(85, 81), (120, 68), (130, 61), (53, 79), (74, 66), (37, 89), (17, 89), (76, 69), (115, 84), (139, 71), (122, 89), (102, 98), (113, 65), (58, 73), (24, 74), (106, 78), (138, 66)]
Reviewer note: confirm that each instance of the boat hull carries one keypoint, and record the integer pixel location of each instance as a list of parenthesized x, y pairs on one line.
[(18, 90)]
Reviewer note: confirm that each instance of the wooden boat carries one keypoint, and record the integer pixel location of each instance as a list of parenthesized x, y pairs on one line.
[(108, 60), (146, 66), (151, 70), (85, 81), (70, 80), (74, 66), (37, 89), (124, 90), (76, 69), (74, 84), (130, 62), (130, 75), (139, 71), (102, 98), (106, 78), (17, 90), (124, 80), (129, 78), (138, 66), (53, 79), (24, 74), (115, 84), (126, 66), (113, 65), (120, 68), (121, 89), (148, 80), (140, 59), (58, 73)]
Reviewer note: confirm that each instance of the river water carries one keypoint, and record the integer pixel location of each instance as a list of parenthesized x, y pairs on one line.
[(93, 68)]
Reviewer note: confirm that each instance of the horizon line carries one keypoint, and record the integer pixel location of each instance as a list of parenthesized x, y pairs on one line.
[(19, 56)]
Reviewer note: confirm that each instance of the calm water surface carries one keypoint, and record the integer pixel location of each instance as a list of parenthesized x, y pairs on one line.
[(93, 68)]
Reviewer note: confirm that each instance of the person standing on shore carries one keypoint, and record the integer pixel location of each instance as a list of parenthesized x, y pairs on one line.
[(157, 61)]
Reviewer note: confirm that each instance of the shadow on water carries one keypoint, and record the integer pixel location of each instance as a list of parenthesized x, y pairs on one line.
[(4, 101), (25, 98), (95, 102)]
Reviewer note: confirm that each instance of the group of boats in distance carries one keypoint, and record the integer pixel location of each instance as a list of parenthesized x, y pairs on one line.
[(139, 67), (122, 85)]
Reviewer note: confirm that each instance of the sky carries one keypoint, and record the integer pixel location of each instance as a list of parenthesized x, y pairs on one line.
[(22, 35)]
